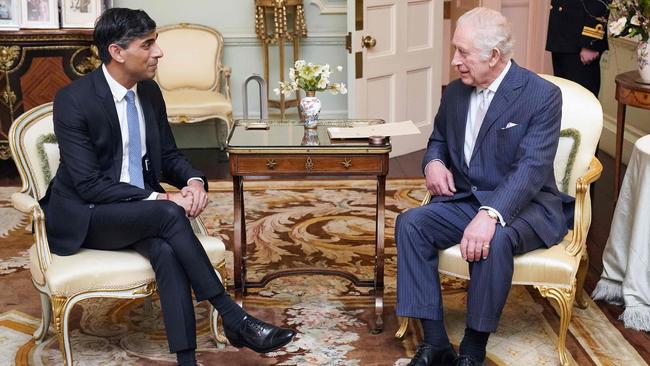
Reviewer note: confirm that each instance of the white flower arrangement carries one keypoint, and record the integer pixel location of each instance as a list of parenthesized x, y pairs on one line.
[(310, 78), (630, 18)]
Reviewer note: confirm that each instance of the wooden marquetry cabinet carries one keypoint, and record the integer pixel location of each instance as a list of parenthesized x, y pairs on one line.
[(34, 65)]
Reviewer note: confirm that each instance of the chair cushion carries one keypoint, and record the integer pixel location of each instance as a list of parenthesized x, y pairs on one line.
[(541, 267), (94, 270), (196, 103)]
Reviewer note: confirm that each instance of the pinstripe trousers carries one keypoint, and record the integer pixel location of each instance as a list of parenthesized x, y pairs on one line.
[(422, 231)]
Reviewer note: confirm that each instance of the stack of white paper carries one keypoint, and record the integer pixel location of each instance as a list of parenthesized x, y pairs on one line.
[(383, 129)]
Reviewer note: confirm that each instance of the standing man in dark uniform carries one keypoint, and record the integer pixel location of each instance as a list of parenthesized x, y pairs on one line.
[(577, 37)]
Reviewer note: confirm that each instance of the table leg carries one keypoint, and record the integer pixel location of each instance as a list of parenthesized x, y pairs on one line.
[(620, 133), (239, 243), (379, 256)]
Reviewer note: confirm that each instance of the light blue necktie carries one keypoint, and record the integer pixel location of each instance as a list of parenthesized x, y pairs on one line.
[(135, 145)]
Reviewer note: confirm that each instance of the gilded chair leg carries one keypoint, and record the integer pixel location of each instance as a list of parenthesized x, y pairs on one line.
[(216, 323), (46, 318), (229, 121), (564, 298), (581, 300), (403, 326), (216, 329), (59, 307)]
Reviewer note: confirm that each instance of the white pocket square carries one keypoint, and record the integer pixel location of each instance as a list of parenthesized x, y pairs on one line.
[(510, 125)]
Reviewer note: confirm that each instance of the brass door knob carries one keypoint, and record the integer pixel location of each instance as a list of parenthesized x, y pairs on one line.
[(368, 42)]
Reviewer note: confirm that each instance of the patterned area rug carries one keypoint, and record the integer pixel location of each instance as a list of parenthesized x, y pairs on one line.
[(293, 224)]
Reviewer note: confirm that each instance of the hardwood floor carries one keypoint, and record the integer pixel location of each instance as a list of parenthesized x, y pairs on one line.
[(214, 163)]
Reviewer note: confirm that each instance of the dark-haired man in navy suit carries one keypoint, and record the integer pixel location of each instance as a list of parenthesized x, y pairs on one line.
[(116, 147), (489, 168)]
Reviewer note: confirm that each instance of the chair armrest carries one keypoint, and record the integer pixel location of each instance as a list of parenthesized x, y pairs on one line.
[(198, 226), (580, 224), (227, 72), (426, 199), (23, 202), (40, 237), (28, 204)]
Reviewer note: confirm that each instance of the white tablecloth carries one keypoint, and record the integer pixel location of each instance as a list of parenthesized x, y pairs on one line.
[(626, 274)]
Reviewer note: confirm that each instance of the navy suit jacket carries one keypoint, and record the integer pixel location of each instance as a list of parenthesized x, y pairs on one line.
[(511, 169), (90, 143)]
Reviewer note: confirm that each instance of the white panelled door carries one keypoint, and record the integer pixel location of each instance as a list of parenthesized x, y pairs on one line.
[(400, 77)]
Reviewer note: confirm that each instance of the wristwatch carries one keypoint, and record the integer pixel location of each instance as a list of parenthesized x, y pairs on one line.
[(492, 214)]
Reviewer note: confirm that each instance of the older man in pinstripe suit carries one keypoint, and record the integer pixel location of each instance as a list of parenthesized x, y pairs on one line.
[(489, 167)]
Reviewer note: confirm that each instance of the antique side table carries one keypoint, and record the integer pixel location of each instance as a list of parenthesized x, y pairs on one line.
[(632, 93), (285, 149)]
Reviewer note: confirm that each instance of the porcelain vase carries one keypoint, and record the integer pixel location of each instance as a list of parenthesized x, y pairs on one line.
[(643, 61), (309, 110)]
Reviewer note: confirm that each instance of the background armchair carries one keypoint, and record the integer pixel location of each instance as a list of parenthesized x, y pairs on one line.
[(557, 272), (62, 281), (194, 82)]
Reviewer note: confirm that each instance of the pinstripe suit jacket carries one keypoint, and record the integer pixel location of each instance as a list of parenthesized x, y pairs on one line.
[(511, 169)]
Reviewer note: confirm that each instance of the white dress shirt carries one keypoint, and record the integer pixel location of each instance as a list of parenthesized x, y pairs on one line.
[(119, 93)]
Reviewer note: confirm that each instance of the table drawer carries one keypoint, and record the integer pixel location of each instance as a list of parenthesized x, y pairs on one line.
[(273, 164)]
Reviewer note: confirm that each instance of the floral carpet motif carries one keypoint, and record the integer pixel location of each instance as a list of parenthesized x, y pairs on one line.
[(290, 224)]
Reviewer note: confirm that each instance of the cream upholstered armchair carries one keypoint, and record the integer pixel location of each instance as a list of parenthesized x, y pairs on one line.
[(557, 272), (63, 281), (194, 83)]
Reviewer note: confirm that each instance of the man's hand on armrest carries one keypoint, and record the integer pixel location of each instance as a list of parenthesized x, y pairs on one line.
[(438, 179)]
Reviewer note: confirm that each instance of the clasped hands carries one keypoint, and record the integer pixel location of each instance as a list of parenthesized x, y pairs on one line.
[(475, 243), (193, 198)]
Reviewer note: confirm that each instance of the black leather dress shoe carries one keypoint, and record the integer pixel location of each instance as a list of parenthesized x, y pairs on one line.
[(259, 336), (465, 360), (426, 355)]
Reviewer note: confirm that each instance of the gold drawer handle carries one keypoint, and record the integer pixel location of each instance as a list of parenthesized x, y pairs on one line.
[(271, 164), (309, 164), (347, 163)]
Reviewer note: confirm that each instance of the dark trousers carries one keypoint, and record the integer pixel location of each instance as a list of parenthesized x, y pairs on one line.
[(159, 230), (569, 66), (422, 231)]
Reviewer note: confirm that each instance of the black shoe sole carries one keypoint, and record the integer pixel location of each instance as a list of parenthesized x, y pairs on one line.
[(264, 350)]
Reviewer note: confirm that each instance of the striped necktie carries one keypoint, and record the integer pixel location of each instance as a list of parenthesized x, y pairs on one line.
[(135, 145)]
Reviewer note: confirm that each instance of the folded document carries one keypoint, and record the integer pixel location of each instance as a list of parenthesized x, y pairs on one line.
[(383, 129)]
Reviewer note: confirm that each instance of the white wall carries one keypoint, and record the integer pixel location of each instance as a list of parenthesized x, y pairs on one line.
[(235, 19)]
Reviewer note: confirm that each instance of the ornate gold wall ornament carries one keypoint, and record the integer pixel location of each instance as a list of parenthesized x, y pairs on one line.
[(271, 164), (8, 96), (87, 64), (280, 20), (309, 164), (280, 14), (8, 55), (5, 152)]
